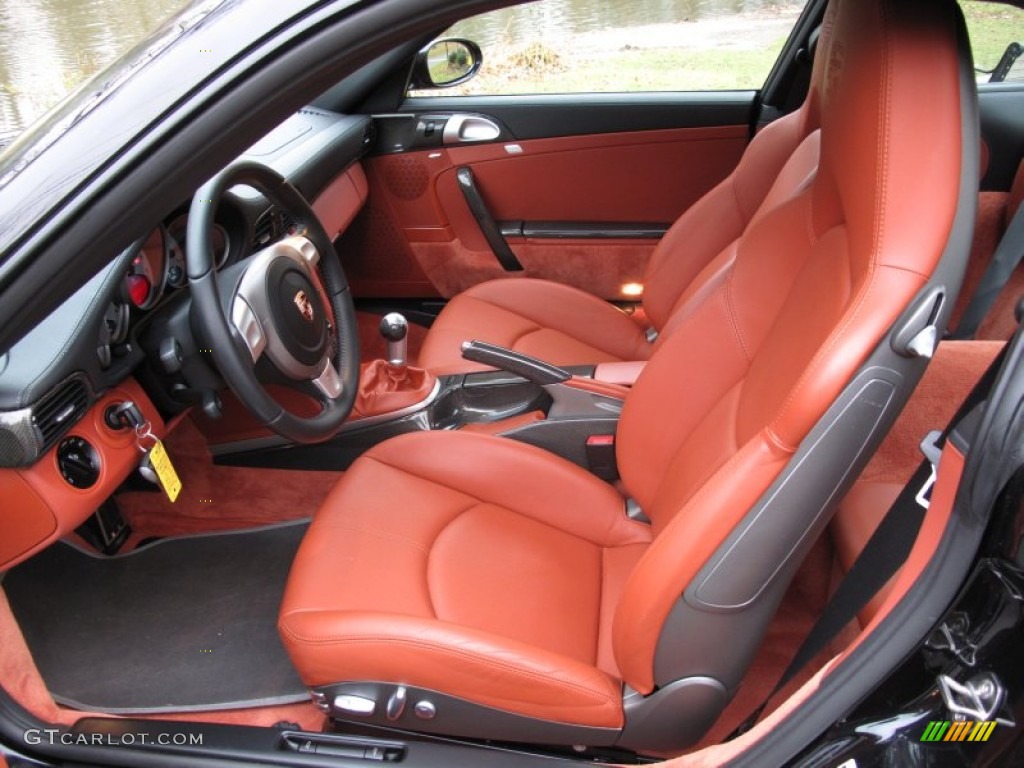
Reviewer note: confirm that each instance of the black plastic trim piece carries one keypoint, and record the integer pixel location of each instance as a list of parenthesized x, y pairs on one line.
[(580, 114), (584, 230), (483, 217), (530, 368), (453, 716), (771, 533)]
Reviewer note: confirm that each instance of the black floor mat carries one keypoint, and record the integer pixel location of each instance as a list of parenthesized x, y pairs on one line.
[(186, 623)]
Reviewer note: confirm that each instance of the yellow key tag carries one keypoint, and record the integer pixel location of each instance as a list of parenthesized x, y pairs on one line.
[(164, 469)]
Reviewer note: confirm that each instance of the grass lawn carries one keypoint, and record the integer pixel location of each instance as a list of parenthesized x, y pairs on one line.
[(733, 53), (991, 28), (653, 69)]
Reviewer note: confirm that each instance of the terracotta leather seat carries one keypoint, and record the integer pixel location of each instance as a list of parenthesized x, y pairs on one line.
[(567, 326), (470, 585)]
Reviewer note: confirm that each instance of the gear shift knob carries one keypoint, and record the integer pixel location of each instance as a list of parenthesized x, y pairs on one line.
[(395, 328)]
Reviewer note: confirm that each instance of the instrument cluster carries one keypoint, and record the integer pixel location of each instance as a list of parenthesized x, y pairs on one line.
[(159, 266)]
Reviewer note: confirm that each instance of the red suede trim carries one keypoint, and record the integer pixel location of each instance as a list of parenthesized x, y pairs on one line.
[(215, 498), (598, 268), (954, 370)]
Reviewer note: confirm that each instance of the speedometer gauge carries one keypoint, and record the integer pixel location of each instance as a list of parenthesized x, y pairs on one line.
[(144, 283)]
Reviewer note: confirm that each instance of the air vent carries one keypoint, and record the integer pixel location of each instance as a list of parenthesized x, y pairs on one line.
[(263, 232), (58, 411), (287, 222)]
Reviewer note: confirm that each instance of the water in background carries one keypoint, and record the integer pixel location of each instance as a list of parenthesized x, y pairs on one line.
[(48, 47), (537, 20)]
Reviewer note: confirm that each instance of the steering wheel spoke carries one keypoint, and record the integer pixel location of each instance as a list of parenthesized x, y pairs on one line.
[(328, 381), (248, 327)]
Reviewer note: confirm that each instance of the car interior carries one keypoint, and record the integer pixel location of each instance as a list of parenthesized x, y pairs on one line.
[(548, 422)]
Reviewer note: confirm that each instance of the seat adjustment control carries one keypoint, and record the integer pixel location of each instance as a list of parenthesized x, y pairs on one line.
[(354, 705), (396, 703)]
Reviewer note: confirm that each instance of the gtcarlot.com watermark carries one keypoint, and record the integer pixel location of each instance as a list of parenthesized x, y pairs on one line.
[(52, 736)]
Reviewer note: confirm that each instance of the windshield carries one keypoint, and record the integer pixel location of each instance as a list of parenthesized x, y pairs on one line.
[(47, 49)]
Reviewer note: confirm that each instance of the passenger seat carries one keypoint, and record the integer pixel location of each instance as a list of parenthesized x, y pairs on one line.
[(566, 326)]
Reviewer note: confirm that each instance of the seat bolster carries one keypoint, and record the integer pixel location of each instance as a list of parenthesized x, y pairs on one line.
[(348, 646), (527, 480), (685, 541), (554, 322)]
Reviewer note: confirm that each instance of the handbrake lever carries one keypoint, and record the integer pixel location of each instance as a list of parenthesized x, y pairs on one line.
[(530, 368)]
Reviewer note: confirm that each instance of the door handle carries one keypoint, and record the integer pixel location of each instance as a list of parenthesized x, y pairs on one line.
[(462, 129), (488, 226)]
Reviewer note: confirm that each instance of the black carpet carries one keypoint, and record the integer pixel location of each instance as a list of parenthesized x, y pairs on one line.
[(186, 623)]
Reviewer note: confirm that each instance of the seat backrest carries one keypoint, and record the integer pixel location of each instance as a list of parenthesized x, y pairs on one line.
[(851, 230), (721, 216)]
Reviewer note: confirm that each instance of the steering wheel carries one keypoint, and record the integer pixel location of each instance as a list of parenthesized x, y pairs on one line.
[(283, 315)]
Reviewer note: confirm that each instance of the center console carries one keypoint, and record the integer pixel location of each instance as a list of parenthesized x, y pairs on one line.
[(565, 411)]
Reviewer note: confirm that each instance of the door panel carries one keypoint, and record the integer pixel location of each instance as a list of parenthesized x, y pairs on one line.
[(428, 242), (543, 116)]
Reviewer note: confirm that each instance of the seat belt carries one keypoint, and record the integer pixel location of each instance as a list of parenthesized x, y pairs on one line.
[(885, 552), (1005, 260)]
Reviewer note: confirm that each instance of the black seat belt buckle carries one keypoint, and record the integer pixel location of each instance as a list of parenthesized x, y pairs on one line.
[(601, 457), (932, 452)]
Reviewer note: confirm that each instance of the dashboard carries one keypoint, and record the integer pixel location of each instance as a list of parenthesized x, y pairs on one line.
[(126, 335)]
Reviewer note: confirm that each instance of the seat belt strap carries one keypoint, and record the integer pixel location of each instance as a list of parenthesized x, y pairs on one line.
[(884, 553), (1005, 260)]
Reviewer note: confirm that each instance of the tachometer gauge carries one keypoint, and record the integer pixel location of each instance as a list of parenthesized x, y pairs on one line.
[(220, 241), (144, 283)]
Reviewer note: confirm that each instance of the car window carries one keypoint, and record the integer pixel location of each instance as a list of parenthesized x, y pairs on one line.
[(47, 49), (996, 32), (593, 46)]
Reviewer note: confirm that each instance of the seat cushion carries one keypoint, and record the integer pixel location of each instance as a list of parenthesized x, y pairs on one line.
[(550, 321), (424, 570)]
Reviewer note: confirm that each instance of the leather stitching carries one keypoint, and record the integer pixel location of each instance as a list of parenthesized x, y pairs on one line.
[(514, 510), (861, 299), (730, 308), (430, 553), (447, 650), (379, 534)]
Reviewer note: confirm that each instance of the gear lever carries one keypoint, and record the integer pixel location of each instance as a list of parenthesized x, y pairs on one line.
[(392, 385), (395, 330)]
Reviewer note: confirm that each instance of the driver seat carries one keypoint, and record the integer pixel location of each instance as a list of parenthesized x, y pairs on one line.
[(472, 585)]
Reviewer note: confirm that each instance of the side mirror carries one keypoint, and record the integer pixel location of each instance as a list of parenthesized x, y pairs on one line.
[(445, 63)]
